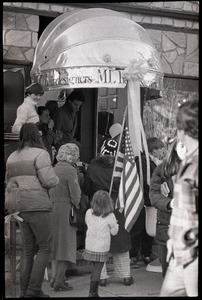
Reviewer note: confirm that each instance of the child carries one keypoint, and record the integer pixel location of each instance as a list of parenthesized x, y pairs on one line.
[(101, 223), (27, 111)]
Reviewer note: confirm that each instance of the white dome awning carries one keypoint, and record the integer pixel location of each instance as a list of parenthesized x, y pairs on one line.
[(92, 39)]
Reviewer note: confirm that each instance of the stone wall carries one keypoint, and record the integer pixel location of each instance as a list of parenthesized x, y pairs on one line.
[(176, 40)]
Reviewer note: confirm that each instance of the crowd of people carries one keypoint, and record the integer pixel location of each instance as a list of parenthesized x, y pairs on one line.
[(45, 178)]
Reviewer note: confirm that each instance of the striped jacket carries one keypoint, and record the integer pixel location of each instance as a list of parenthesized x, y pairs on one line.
[(29, 176), (183, 231)]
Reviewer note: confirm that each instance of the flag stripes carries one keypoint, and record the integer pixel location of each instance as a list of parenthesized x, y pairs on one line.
[(119, 165), (130, 193)]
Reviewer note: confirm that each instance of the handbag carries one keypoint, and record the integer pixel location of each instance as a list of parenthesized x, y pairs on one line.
[(150, 222), (77, 217), (12, 201)]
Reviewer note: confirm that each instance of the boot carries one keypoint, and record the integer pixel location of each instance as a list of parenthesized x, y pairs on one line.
[(93, 289)]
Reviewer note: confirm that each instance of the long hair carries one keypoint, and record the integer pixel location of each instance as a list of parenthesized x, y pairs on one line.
[(30, 136), (171, 161), (102, 204)]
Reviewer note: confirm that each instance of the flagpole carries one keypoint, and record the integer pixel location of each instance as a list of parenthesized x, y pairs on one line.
[(118, 148)]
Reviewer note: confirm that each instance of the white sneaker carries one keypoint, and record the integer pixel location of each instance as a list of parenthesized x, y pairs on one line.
[(154, 266)]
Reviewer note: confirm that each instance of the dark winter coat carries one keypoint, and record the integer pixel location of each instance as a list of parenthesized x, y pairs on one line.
[(65, 120), (147, 201), (98, 177), (48, 137), (161, 203)]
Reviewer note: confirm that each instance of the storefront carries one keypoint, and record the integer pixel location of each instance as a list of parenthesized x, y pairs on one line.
[(106, 54)]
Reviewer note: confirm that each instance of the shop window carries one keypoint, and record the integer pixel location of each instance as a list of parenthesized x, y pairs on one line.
[(159, 115)]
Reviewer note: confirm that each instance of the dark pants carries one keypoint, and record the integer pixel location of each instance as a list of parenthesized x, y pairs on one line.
[(162, 250), (141, 241), (35, 230)]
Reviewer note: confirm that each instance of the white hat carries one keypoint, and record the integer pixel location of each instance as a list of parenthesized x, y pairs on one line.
[(115, 130)]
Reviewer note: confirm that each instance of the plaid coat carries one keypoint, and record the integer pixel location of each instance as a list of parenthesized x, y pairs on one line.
[(184, 218)]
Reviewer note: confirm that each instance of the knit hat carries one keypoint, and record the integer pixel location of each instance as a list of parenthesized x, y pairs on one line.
[(115, 130), (34, 88), (109, 147)]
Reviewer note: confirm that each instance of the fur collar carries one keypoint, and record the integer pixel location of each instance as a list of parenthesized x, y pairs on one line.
[(104, 160)]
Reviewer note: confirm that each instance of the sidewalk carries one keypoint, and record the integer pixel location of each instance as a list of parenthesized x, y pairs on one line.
[(146, 284)]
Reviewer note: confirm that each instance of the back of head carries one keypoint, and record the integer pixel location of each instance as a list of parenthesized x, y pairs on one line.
[(30, 136), (41, 109), (102, 204), (187, 118), (154, 143), (51, 104), (115, 130), (76, 95), (109, 147), (34, 88), (68, 152)]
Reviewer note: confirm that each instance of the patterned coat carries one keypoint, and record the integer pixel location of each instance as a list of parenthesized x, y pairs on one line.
[(183, 231), (66, 192), (98, 176)]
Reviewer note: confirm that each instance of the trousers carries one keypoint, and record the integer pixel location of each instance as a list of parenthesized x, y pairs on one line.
[(180, 281), (36, 236), (121, 263), (162, 251), (141, 241)]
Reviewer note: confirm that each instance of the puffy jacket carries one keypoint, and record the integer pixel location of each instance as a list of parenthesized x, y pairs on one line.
[(30, 174), (160, 202)]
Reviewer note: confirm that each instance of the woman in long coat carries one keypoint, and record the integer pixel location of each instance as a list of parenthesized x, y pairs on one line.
[(67, 193), (98, 176), (161, 195)]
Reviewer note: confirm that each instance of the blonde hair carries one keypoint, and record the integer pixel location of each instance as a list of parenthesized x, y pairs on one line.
[(68, 152), (102, 204)]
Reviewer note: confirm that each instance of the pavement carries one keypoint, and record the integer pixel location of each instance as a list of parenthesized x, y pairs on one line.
[(146, 283)]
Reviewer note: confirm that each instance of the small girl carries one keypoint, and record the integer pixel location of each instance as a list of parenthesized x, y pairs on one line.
[(101, 223)]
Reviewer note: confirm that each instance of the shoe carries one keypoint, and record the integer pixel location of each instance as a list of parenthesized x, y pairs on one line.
[(73, 272), (154, 266), (128, 281), (133, 263), (36, 295), (52, 281), (103, 282), (62, 287), (93, 292), (146, 259)]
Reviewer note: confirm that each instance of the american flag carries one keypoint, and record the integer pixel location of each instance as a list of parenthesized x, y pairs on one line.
[(130, 192)]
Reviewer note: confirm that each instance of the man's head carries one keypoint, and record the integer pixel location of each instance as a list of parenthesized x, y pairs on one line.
[(187, 120), (44, 115), (75, 100), (52, 106), (156, 147)]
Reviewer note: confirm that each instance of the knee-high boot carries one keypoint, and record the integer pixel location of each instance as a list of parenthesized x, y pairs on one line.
[(93, 289)]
